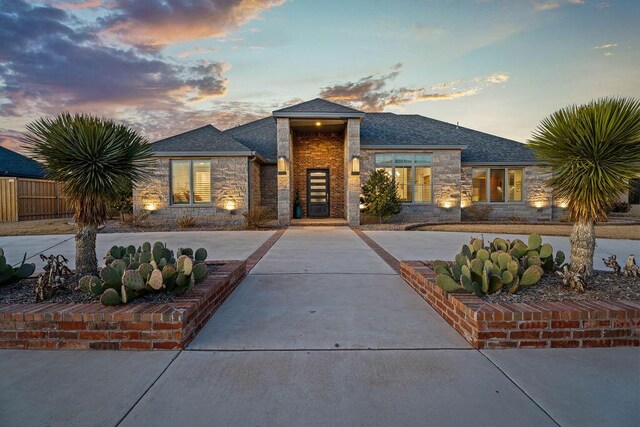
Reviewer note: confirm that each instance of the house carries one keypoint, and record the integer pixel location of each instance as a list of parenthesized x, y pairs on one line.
[(324, 151), (15, 165)]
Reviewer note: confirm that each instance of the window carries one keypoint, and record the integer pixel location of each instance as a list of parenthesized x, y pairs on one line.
[(190, 182), (634, 191), (410, 172), (490, 185)]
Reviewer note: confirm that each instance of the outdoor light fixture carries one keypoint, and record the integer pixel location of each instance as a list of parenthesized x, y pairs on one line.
[(230, 206), (283, 165), (355, 165), (150, 206), (318, 124), (539, 205)]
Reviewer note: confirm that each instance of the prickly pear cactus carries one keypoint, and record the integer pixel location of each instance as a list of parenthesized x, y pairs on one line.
[(110, 297)]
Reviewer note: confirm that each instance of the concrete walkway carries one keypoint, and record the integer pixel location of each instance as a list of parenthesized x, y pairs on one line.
[(323, 332)]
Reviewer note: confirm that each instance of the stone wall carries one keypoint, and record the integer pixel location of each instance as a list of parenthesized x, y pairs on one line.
[(229, 189), (255, 185), (320, 151), (537, 204), (269, 186), (445, 176)]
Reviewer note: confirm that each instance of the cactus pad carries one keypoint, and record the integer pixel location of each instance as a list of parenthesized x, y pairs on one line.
[(132, 279), (201, 254), (110, 297), (531, 276)]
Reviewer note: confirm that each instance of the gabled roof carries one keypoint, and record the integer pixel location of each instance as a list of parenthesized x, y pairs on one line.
[(19, 166), (204, 140), (318, 108), (259, 136)]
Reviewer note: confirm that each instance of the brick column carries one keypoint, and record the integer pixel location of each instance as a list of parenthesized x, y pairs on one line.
[(352, 182), (284, 181)]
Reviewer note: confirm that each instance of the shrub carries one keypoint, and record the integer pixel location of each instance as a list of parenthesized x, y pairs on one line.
[(620, 207), (258, 217), (477, 212), (137, 219), (502, 264), (186, 221), (379, 196), (122, 204)]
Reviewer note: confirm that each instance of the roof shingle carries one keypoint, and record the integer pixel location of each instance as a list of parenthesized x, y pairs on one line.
[(318, 105), (16, 165), (205, 139)]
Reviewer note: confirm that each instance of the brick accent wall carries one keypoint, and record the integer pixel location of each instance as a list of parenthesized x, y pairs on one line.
[(143, 326), (535, 191), (229, 181), (269, 186), (445, 175), (544, 324), (320, 151)]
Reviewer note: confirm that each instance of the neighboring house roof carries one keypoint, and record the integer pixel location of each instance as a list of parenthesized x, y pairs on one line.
[(201, 141), (19, 166), (259, 136), (318, 108)]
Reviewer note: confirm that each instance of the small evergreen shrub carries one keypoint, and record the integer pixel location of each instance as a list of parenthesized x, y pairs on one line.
[(379, 196)]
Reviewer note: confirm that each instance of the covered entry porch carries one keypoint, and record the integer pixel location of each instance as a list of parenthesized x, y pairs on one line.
[(318, 164)]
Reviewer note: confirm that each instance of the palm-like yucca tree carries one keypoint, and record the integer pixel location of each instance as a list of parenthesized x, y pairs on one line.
[(594, 150), (93, 157)]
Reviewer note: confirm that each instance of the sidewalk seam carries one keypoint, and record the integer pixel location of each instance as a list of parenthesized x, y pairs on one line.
[(148, 388), (379, 250)]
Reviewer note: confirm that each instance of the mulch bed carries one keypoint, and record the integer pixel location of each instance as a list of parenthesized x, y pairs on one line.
[(603, 286), (22, 293)]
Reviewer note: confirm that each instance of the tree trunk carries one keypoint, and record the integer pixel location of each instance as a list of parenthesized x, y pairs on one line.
[(583, 243), (86, 261)]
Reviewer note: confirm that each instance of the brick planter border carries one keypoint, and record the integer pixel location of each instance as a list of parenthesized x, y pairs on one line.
[(143, 326), (528, 325)]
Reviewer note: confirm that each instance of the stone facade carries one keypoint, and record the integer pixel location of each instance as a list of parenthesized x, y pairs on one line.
[(351, 181), (537, 204), (229, 190), (254, 182), (445, 177), (285, 190), (320, 151)]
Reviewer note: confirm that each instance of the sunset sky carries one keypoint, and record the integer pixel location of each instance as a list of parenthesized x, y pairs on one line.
[(165, 67)]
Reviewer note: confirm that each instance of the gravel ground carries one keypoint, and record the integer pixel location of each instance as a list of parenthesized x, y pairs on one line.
[(22, 293), (603, 285)]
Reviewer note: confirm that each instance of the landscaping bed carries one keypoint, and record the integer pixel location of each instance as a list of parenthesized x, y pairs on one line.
[(155, 323), (581, 320)]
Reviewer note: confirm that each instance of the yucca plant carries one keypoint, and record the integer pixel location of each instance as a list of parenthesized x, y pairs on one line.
[(94, 158), (594, 150)]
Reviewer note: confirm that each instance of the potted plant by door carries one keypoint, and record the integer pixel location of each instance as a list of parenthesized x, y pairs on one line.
[(297, 206)]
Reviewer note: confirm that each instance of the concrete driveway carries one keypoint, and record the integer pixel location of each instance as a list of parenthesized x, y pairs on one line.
[(219, 244), (323, 332), (432, 245)]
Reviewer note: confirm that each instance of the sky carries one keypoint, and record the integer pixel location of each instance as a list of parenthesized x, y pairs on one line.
[(167, 66)]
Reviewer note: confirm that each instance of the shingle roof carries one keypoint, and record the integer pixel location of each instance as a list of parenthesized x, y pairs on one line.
[(16, 165), (388, 129), (318, 105), (259, 136), (201, 140)]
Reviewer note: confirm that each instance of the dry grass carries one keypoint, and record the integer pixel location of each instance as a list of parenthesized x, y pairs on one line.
[(629, 232), (38, 227)]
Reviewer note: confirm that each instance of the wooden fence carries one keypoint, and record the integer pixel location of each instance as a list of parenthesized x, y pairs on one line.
[(23, 199)]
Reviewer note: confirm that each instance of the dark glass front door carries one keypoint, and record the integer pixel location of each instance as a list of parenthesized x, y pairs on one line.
[(318, 193)]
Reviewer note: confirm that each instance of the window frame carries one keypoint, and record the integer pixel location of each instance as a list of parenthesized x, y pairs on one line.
[(192, 202), (506, 170), (392, 164)]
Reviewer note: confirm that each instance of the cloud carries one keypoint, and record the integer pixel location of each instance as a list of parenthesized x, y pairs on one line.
[(11, 139), (152, 24), (606, 46), (52, 64), (370, 93), (80, 4), (554, 4), (426, 32)]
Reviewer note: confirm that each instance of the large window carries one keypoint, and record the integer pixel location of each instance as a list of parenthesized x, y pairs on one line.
[(410, 172), (190, 182), (496, 185)]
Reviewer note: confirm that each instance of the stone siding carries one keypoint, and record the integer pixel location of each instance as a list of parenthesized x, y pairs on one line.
[(445, 177), (320, 151), (269, 186), (255, 185), (537, 204), (229, 185), (351, 182), (283, 140)]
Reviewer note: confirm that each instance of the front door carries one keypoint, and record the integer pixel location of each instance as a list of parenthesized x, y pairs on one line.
[(318, 193)]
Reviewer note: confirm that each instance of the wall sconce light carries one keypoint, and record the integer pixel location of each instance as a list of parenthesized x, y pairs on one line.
[(355, 165), (230, 206), (151, 206), (539, 205), (318, 124), (447, 205), (283, 165)]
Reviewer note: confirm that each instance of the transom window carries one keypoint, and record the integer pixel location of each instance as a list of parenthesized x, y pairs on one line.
[(190, 182), (495, 185), (410, 172)]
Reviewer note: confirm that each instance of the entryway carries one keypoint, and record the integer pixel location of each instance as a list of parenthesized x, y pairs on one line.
[(318, 193)]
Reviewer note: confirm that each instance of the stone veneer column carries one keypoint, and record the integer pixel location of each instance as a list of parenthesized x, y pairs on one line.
[(284, 181), (352, 182)]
